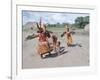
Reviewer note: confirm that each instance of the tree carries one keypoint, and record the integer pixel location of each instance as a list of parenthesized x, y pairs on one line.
[(79, 21), (82, 21), (86, 20)]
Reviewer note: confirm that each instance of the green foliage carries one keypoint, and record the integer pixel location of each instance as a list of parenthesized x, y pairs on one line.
[(58, 25), (80, 22)]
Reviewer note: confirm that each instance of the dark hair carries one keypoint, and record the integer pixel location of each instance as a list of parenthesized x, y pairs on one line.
[(67, 29), (40, 30), (59, 43)]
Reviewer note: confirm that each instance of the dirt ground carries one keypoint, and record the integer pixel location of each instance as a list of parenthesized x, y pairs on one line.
[(76, 55)]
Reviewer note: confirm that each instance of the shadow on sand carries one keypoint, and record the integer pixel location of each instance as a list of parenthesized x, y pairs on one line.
[(55, 54), (74, 45), (62, 51)]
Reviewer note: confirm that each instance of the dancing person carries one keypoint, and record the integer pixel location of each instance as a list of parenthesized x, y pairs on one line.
[(68, 36)]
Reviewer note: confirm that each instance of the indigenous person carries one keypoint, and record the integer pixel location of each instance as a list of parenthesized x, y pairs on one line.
[(43, 35), (43, 45), (68, 36), (56, 43)]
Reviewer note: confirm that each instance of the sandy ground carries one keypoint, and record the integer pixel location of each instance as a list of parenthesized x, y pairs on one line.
[(75, 56)]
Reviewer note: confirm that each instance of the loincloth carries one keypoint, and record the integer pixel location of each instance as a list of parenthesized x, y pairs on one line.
[(69, 40), (43, 47)]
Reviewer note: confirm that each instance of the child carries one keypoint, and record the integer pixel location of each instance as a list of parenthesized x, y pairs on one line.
[(56, 44), (58, 47)]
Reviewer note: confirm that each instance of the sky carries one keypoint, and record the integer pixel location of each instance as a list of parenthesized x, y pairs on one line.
[(50, 17)]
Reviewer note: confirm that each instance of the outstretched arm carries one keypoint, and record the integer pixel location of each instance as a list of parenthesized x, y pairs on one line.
[(63, 34), (29, 37)]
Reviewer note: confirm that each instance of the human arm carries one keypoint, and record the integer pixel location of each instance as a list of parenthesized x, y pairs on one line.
[(29, 37)]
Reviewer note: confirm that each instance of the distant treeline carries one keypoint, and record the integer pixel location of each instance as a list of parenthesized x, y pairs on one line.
[(79, 22)]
